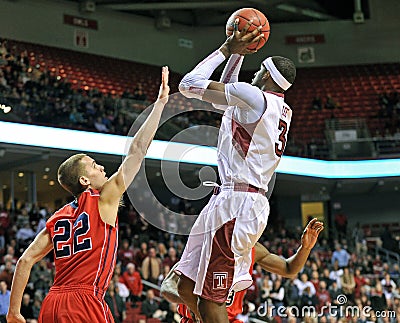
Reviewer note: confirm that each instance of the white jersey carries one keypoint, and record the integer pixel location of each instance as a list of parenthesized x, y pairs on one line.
[(250, 152)]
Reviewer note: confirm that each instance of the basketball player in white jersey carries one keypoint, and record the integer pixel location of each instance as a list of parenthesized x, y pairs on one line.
[(252, 138)]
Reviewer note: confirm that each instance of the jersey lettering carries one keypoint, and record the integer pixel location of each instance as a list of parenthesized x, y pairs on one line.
[(62, 236), (279, 148), (62, 233), (83, 228)]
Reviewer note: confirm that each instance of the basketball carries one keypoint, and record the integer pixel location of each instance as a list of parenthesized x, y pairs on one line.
[(244, 15)]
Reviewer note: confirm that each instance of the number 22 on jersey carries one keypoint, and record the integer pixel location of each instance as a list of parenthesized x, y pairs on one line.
[(69, 238)]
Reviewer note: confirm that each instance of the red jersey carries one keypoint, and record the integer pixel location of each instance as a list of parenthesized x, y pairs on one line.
[(85, 246), (234, 303)]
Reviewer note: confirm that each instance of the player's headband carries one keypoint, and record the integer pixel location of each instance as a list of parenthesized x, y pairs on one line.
[(275, 74)]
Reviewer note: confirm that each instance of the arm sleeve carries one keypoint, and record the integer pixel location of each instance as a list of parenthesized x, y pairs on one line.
[(230, 74), (232, 69), (248, 99), (194, 84)]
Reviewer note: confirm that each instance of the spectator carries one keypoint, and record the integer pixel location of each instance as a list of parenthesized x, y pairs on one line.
[(378, 299), (172, 314), (336, 273), (303, 283), (171, 259), (166, 270), (252, 294), (4, 219), (41, 277), (258, 275), (334, 292), (115, 303), (149, 306), (151, 267), (4, 301), (100, 126), (291, 293), (395, 271), (360, 282), (377, 266), (25, 235), (325, 277), (323, 296), (42, 220), (308, 298), (330, 103), (7, 273), (141, 254), (315, 279), (10, 256), (348, 284), (341, 256), (37, 304), (389, 286), (317, 103), (26, 307), (277, 293), (131, 278), (125, 253), (162, 251), (123, 291), (266, 288)]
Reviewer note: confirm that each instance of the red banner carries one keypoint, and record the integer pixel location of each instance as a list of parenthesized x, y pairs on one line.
[(80, 22), (305, 39)]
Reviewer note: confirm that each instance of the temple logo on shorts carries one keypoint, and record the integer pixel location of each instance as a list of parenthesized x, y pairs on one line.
[(220, 280)]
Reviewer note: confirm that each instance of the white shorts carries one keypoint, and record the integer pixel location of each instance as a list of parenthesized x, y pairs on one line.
[(218, 254)]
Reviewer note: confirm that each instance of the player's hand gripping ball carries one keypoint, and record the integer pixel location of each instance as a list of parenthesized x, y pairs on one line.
[(244, 15)]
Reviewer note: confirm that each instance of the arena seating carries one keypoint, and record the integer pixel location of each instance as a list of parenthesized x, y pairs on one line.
[(89, 71), (354, 88)]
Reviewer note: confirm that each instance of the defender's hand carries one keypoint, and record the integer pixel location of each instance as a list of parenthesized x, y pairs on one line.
[(164, 87)]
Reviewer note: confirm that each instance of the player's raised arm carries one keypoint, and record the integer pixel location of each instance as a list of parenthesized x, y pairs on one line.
[(197, 84), (119, 182), (39, 248), (292, 266)]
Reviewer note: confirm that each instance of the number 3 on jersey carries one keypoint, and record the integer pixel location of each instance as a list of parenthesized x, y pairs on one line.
[(280, 147), (62, 236)]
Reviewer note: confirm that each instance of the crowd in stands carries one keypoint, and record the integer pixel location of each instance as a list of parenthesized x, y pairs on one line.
[(41, 96), (146, 255)]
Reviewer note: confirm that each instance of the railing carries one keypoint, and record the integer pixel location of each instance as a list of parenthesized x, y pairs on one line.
[(391, 257)]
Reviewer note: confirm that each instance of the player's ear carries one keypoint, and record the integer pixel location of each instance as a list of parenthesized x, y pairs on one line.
[(84, 181), (266, 75)]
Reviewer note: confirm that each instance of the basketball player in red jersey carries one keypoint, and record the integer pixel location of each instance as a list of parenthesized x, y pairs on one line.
[(268, 261), (84, 233), (251, 142)]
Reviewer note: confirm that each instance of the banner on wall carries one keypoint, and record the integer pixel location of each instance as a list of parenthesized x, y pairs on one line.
[(81, 22), (306, 54), (81, 38), (305, 39)]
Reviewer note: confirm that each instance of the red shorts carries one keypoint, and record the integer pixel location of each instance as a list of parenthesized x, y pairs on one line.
[(80, 304)]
